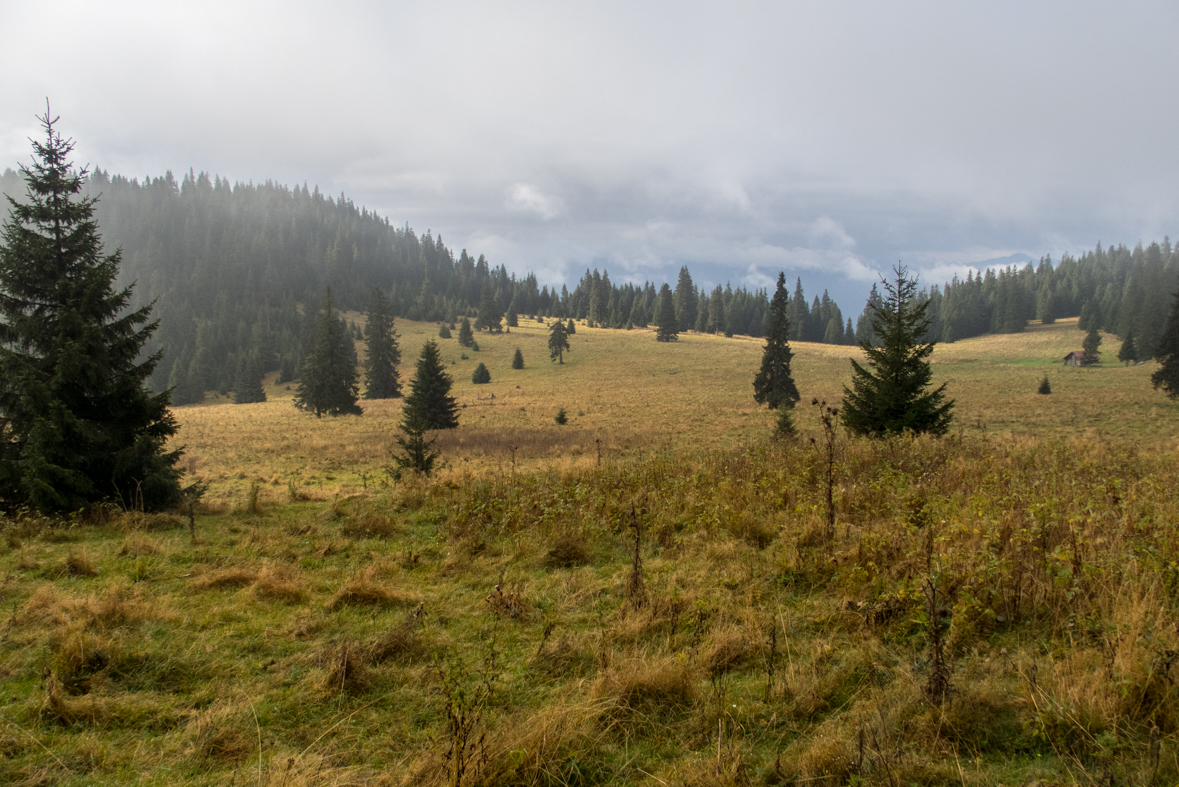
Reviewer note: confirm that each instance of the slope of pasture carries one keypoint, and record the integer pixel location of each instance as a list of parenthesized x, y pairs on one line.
[(636, 395)]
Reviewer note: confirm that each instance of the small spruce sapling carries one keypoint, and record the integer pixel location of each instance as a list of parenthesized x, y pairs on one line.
[(561, 418), (444, 332), (481, 376), (518, 359), (417, 453), (1045, 386)]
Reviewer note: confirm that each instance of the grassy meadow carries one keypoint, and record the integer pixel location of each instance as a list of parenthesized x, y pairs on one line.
[(651, 594)]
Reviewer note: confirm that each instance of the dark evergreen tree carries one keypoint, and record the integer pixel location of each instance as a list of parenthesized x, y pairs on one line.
[(512, 318), (429, 403), (481, 375), (773, 385), (665, 320), (328, 383), (76, 422), (490, 316), (890, 396), (638, 313), (685, 301), (444, 332), (1045, 386), (1090, 345), (558, 341), (1167, 354), (466, 335), (417, 453), (247, 383), (518, 359), (1128, 353), (571, 328), (384, 356)]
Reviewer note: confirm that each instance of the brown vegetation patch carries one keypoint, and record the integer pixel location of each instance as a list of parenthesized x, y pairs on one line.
[(648, 686), (225, 578), (348, 673), (567, 550), (403, 642), (279, 583), (361, 590)]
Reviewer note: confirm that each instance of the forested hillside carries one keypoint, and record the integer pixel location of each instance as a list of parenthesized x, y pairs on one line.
[(1116, 289), (230, 268)]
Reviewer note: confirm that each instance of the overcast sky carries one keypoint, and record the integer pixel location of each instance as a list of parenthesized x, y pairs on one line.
[(825, 139)]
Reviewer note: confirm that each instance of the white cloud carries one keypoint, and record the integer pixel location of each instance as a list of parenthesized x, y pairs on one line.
[(529, 199)]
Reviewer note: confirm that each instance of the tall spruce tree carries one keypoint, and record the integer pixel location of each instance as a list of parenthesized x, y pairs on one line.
[(466, 337), (247, 381), (665, 320), (490, 316), (328, 382), (558, 341), (890, 396), (1090, 345), (685, 300), (1128, 352), (429, 404), (1167, 354), (773, 385), (384, 356), (76, 422)]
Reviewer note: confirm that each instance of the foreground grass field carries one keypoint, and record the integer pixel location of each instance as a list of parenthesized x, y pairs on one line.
[(994, 607)]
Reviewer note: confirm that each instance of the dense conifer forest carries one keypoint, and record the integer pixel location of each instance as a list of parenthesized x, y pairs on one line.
[(230, 267)]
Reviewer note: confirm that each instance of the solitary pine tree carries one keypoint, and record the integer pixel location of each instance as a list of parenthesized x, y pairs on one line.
[(247, 383), (1128, 353), (665, 319), (558, 341), (774, 386), (1090, 345), (1167, 354), (380, 365), (890, 396), (328, 383), (444, 332), (518, 359), (466, 335), (429, 403), (481, 375), (571, 328), (76, 423)]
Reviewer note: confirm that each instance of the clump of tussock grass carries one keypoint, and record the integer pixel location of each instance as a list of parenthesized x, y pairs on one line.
[(151, 522), (507, 601), (358, 519), (278, 582), (756, 529), (116, 607), (348, 672), (361, 590), (404, 642), (76, 564), (568, 657), (136, 544), (726, 650), (567, 550), (647, 687), (225, 579), (79, 656)]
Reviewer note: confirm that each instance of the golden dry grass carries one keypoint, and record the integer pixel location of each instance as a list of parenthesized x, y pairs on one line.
[(628, 396)]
